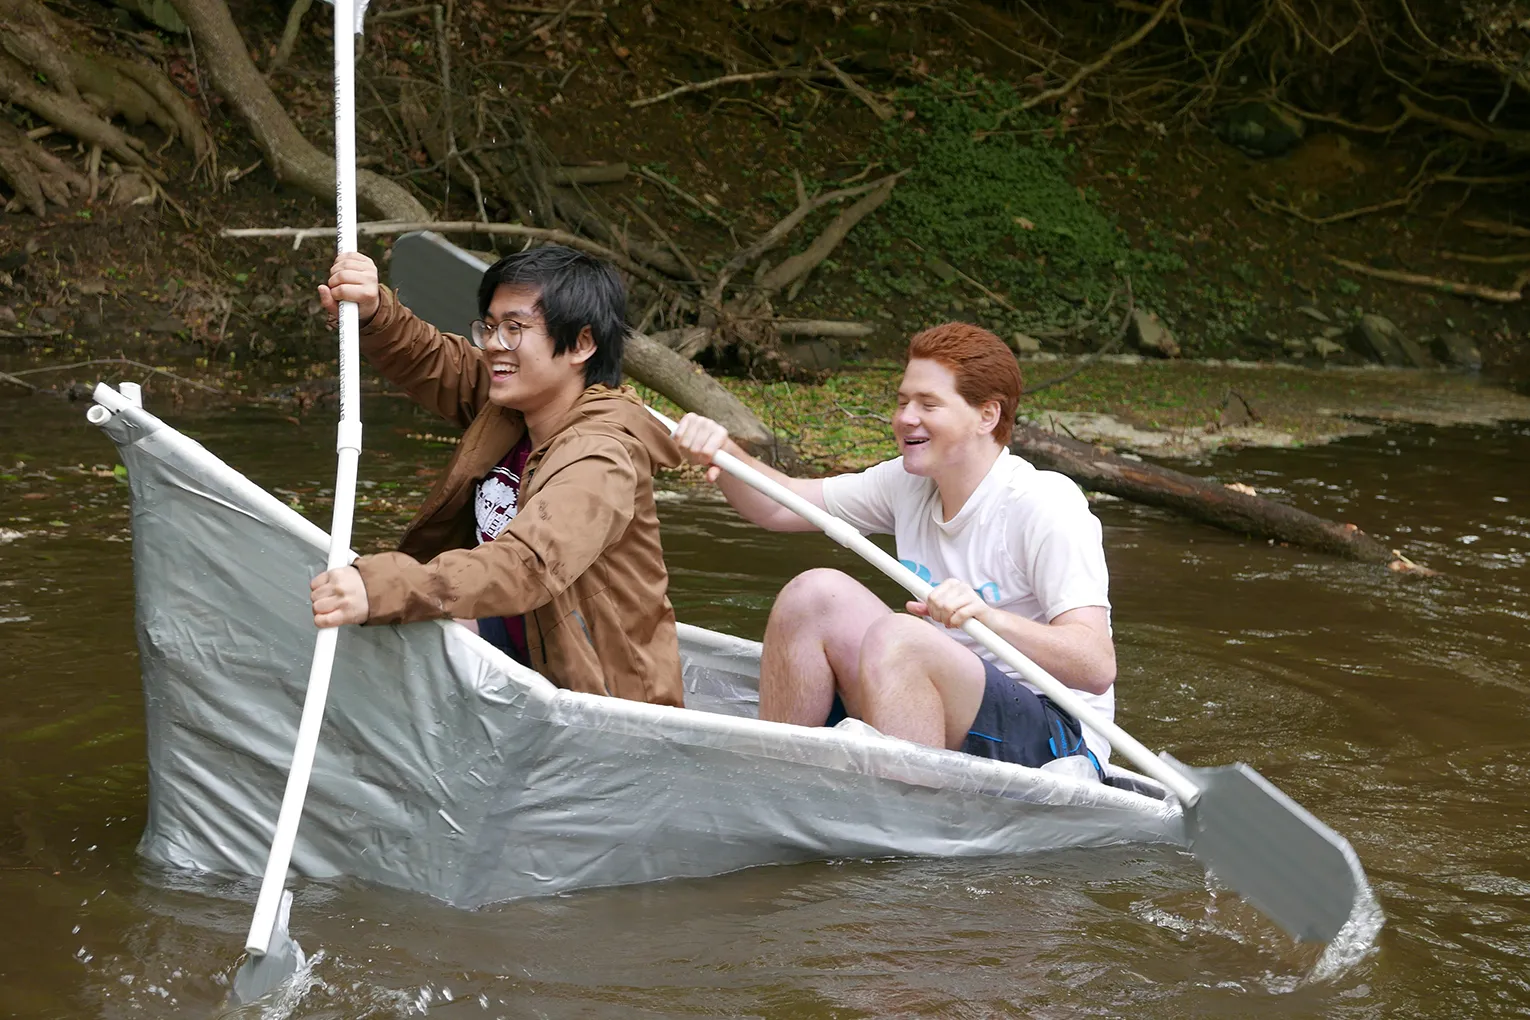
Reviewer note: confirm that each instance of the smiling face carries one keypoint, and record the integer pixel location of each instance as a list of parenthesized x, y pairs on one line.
[(531, 377), (936, 428)]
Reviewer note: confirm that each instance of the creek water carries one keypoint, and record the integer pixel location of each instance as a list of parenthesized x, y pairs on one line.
[(1395, 709)]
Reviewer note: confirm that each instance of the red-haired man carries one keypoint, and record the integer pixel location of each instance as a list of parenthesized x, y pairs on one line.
[(1001, 541)]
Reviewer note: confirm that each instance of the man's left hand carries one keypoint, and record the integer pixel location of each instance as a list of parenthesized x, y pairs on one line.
[(339, 597), (952, 603)]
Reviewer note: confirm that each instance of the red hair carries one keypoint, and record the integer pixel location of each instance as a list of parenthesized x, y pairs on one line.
[(984, 367)]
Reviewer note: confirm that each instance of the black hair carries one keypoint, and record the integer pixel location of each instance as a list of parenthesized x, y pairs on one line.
[(575, 290)]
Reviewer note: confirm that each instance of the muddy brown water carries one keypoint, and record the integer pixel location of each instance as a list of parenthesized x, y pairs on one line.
[(1394, 709)]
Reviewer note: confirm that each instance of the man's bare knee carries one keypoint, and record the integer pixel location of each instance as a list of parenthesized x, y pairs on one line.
[(902, 656), (826, 604), (814, 592), (812, 643)]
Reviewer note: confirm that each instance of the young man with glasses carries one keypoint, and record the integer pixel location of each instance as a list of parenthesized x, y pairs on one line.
[(542, 534)]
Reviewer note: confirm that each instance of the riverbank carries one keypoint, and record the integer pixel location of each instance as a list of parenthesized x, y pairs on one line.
[(1040, 221), (1164, 409), (1151, 407)]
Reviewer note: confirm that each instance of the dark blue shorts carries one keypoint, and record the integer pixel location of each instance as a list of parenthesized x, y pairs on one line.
[(1013, 724)]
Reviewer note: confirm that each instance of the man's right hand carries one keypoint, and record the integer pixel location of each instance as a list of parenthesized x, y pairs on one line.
[(699, 438), (353, 277)]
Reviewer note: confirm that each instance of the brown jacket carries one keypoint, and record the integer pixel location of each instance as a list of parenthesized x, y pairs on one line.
[(581, 559)]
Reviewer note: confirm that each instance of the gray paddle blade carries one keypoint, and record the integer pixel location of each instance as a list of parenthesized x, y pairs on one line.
[(437, 280), (1273, 852), (259, 976)]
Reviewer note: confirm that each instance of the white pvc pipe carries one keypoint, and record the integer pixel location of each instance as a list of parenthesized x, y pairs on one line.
[(841, 532), (109, 398), (132, 392), (348, 15), (98, 415)]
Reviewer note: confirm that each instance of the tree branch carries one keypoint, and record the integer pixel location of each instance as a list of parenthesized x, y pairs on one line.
[(370, 229), (1104, 59), (875, 105), (1475, 290), (805, 261), (728, 79), (289, 33)]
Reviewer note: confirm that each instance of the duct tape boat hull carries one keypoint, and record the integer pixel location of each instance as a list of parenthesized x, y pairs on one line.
[(446, 768)]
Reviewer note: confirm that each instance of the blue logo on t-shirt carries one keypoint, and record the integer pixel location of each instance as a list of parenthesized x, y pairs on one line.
[(989, 592), (920, 570)]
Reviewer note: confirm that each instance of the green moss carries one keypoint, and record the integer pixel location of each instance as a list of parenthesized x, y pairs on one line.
[(989, 191)]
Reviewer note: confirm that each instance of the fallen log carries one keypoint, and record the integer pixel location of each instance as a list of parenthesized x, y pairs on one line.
[(686, 383), (1205, 501), (822, 327)]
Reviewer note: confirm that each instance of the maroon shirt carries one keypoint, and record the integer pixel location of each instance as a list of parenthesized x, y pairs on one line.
[(495, 504)]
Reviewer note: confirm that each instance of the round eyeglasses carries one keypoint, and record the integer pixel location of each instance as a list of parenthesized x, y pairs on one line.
[(507, 331)]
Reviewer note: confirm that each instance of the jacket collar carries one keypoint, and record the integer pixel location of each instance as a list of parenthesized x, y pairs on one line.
[(496, 429)]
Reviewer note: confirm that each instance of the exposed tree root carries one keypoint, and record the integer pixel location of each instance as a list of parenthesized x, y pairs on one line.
[(290, 31), (289, 155), (46, 69), (35, 174)]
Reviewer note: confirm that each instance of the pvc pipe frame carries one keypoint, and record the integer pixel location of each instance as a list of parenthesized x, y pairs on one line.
[(841, 532), (348, 15)]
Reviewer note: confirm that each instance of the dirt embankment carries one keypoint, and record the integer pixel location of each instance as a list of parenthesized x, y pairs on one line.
[(1053, 224)]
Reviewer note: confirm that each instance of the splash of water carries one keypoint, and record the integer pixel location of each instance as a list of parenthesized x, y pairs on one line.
[(1355, 941)]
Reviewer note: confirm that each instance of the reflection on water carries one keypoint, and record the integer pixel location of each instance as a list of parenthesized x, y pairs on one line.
[(1393, 708)]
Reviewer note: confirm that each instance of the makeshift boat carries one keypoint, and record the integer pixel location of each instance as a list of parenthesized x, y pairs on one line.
[(446, 768)]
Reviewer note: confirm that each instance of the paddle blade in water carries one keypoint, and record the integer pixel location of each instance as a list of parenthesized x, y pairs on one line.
[(1273, 852), (259, 976)]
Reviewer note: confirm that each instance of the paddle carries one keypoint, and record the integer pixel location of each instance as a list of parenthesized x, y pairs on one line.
[(273, 955), (1247, 833)]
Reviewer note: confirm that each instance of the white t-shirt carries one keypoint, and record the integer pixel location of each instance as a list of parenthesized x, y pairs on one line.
[(1025, 540)]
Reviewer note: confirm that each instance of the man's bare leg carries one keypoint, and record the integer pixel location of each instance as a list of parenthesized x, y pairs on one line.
[(917, 683), (813, 639)]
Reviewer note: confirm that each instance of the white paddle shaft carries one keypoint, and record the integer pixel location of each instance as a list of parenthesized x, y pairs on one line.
[(841, 532), (348, 446)]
